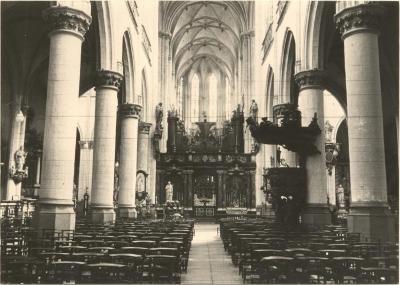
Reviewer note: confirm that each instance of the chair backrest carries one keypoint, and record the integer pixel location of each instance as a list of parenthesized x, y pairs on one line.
[(135, 250)]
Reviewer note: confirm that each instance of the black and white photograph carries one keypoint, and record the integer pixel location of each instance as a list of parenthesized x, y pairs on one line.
[(199, 142)]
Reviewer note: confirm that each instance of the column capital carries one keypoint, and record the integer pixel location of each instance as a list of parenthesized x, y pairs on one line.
[(88, 144), (365, 17), (247, 34), (108, 78), (62, 18), (129, 110), (188, 171), (164, 35), (314, 79), (144, 128)]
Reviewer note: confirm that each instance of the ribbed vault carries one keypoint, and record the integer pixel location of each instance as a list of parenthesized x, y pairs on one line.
[(206, 31)]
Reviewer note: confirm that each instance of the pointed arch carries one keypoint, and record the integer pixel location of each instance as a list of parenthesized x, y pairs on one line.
[(144, 95), (288, 86), (105, 28), (269, 93), (128, 68)]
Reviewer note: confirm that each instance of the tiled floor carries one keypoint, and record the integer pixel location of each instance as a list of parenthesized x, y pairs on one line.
[(208, 262)]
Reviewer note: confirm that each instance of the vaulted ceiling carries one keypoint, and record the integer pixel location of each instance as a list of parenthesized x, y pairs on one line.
[(206, 32)]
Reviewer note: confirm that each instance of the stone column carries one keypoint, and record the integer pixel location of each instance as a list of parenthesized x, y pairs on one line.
[(251, 194), (102, 205), (68, 27), (85, 168), (311, 101), (143, 153), (38, 154), (369, 214), (128, 160), (164, 40), (189, 190), (158, 198), (143, 146), (220, 181)]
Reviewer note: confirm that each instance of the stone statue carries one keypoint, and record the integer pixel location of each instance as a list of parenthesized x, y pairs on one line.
[(169, 192), (278, 156), (159, 114), (140, 183), (19, 158), (17, 172), (340, 196), (254, 109)]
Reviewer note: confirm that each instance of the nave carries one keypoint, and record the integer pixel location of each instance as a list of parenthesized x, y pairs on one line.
[(233, 251)]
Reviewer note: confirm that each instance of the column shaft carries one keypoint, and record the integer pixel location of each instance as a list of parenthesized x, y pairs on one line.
[(55, 210), (128, 160), (369, 212), (102, 205), (311, 101)]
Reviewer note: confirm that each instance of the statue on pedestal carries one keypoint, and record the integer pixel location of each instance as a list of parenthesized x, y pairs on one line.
[(169, 192)]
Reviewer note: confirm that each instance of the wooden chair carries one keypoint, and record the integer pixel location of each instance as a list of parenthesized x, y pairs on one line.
[(314, 269), (64, 271), (133, 262), (105, 273), (377, 275), (164, 267), (347, 269), (276, 269)]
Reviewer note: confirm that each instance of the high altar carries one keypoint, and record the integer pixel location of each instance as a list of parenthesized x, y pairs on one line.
[(207, 167)]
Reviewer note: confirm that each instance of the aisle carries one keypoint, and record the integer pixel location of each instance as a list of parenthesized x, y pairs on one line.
[(208, 262)]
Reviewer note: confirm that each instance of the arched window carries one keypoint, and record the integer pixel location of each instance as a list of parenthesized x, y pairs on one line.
[(227, 98), (212, 98), (194, 95)]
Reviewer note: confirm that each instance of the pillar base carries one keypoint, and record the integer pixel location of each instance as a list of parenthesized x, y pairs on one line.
[(373, 221), (54, 217), (102, 215), (316, 214), (127, 212)]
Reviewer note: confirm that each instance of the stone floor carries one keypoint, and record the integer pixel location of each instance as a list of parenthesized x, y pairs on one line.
[(208, 262)]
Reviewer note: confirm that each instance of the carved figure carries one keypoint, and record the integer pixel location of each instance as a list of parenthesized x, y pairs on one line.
[(140, 183), (19, 158), (340, 196), (17, 171), (159, 113), (169, 192), (254, 109)]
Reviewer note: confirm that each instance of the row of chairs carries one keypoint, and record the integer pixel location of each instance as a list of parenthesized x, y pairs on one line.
[(265, 253), (124, 252)]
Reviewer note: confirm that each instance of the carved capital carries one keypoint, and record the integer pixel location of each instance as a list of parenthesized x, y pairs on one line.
[(359, 18), (130, 110), (86, 144), (144, 128), (314, 79), (108, 78), (164, 35), (62, 18)]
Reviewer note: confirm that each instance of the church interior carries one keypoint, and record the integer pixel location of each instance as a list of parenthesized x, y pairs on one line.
[(199, 142)]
